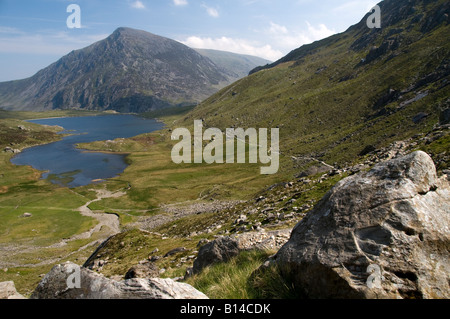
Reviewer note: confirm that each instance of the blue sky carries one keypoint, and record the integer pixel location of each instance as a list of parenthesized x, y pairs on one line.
[(34, 33)]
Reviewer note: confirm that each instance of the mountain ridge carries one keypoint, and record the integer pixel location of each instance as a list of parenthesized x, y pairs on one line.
[(392, 13), (357, 90), (129, 71), (233, 64)]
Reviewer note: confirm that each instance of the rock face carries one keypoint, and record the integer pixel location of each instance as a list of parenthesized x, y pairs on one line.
[(380, 234), (224, 248), (8, 291), (62, 282), (143, 270), (130, 71), (219, 250)]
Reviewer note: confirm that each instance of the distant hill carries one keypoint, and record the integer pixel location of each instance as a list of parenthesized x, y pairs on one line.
[(236, 66), (350, 93), (130, 71)]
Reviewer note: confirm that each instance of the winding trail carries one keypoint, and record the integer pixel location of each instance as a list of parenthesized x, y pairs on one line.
[(109, 224), (110, 221)]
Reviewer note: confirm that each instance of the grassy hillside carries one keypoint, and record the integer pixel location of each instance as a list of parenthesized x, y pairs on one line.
[(337, 97), (234, 65), (32, 245), (29, 244)]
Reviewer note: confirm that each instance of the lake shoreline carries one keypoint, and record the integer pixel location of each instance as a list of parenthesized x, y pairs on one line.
[(65, 155)]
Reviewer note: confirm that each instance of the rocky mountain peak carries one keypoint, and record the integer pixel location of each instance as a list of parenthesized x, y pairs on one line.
[(130, 71)]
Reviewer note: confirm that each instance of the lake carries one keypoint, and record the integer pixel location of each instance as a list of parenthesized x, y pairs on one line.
[(66, 165)]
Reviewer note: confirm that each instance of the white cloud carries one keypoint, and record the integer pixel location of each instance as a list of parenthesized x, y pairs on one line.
[(319, 32), (180, 2), (138, 5), (277, 29), (287, 40), (277, 41), (211, 11), (241, 46), (353, 10)]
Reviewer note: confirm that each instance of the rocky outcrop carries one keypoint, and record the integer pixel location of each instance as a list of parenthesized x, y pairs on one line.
[(8, 291), (11, 150), (143, 270), (224, 248), (129, 71), (380, 234), (263, 240), (219, 250), (70, 281)]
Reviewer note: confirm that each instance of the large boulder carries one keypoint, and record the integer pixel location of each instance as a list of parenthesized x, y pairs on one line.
[(223, 249), (380, 234), (70, 281), (219, 250)]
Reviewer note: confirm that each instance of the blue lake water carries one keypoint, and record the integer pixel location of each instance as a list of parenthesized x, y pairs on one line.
[(66, 165)]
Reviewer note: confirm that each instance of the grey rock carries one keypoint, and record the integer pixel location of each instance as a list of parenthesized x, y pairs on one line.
[(219, 250), (263, 240), (94, 286), (155, 258), (11, 150), (202, 242), (223, 249), (175, 251), (242, 219), (420, 117), (8, 291), (189, 273), (144, 270), (380, 234)]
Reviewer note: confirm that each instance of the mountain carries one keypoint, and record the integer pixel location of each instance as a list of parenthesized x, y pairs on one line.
[(130, 71), (235, 66), (341, 97)]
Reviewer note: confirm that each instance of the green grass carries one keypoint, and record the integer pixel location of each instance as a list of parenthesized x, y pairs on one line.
[(53, 216), (438, 148), (130, 247), (156, 180), (27, 115), (269, 283), (240, 278), (36, 263), (168, 112), (26, 241), (322, 116)]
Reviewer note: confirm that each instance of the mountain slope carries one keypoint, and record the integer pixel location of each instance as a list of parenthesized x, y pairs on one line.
[(339, 97), (235, 66), (131, 70)]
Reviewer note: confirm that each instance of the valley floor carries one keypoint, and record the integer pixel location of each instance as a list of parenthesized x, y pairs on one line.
[(155, 206)]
